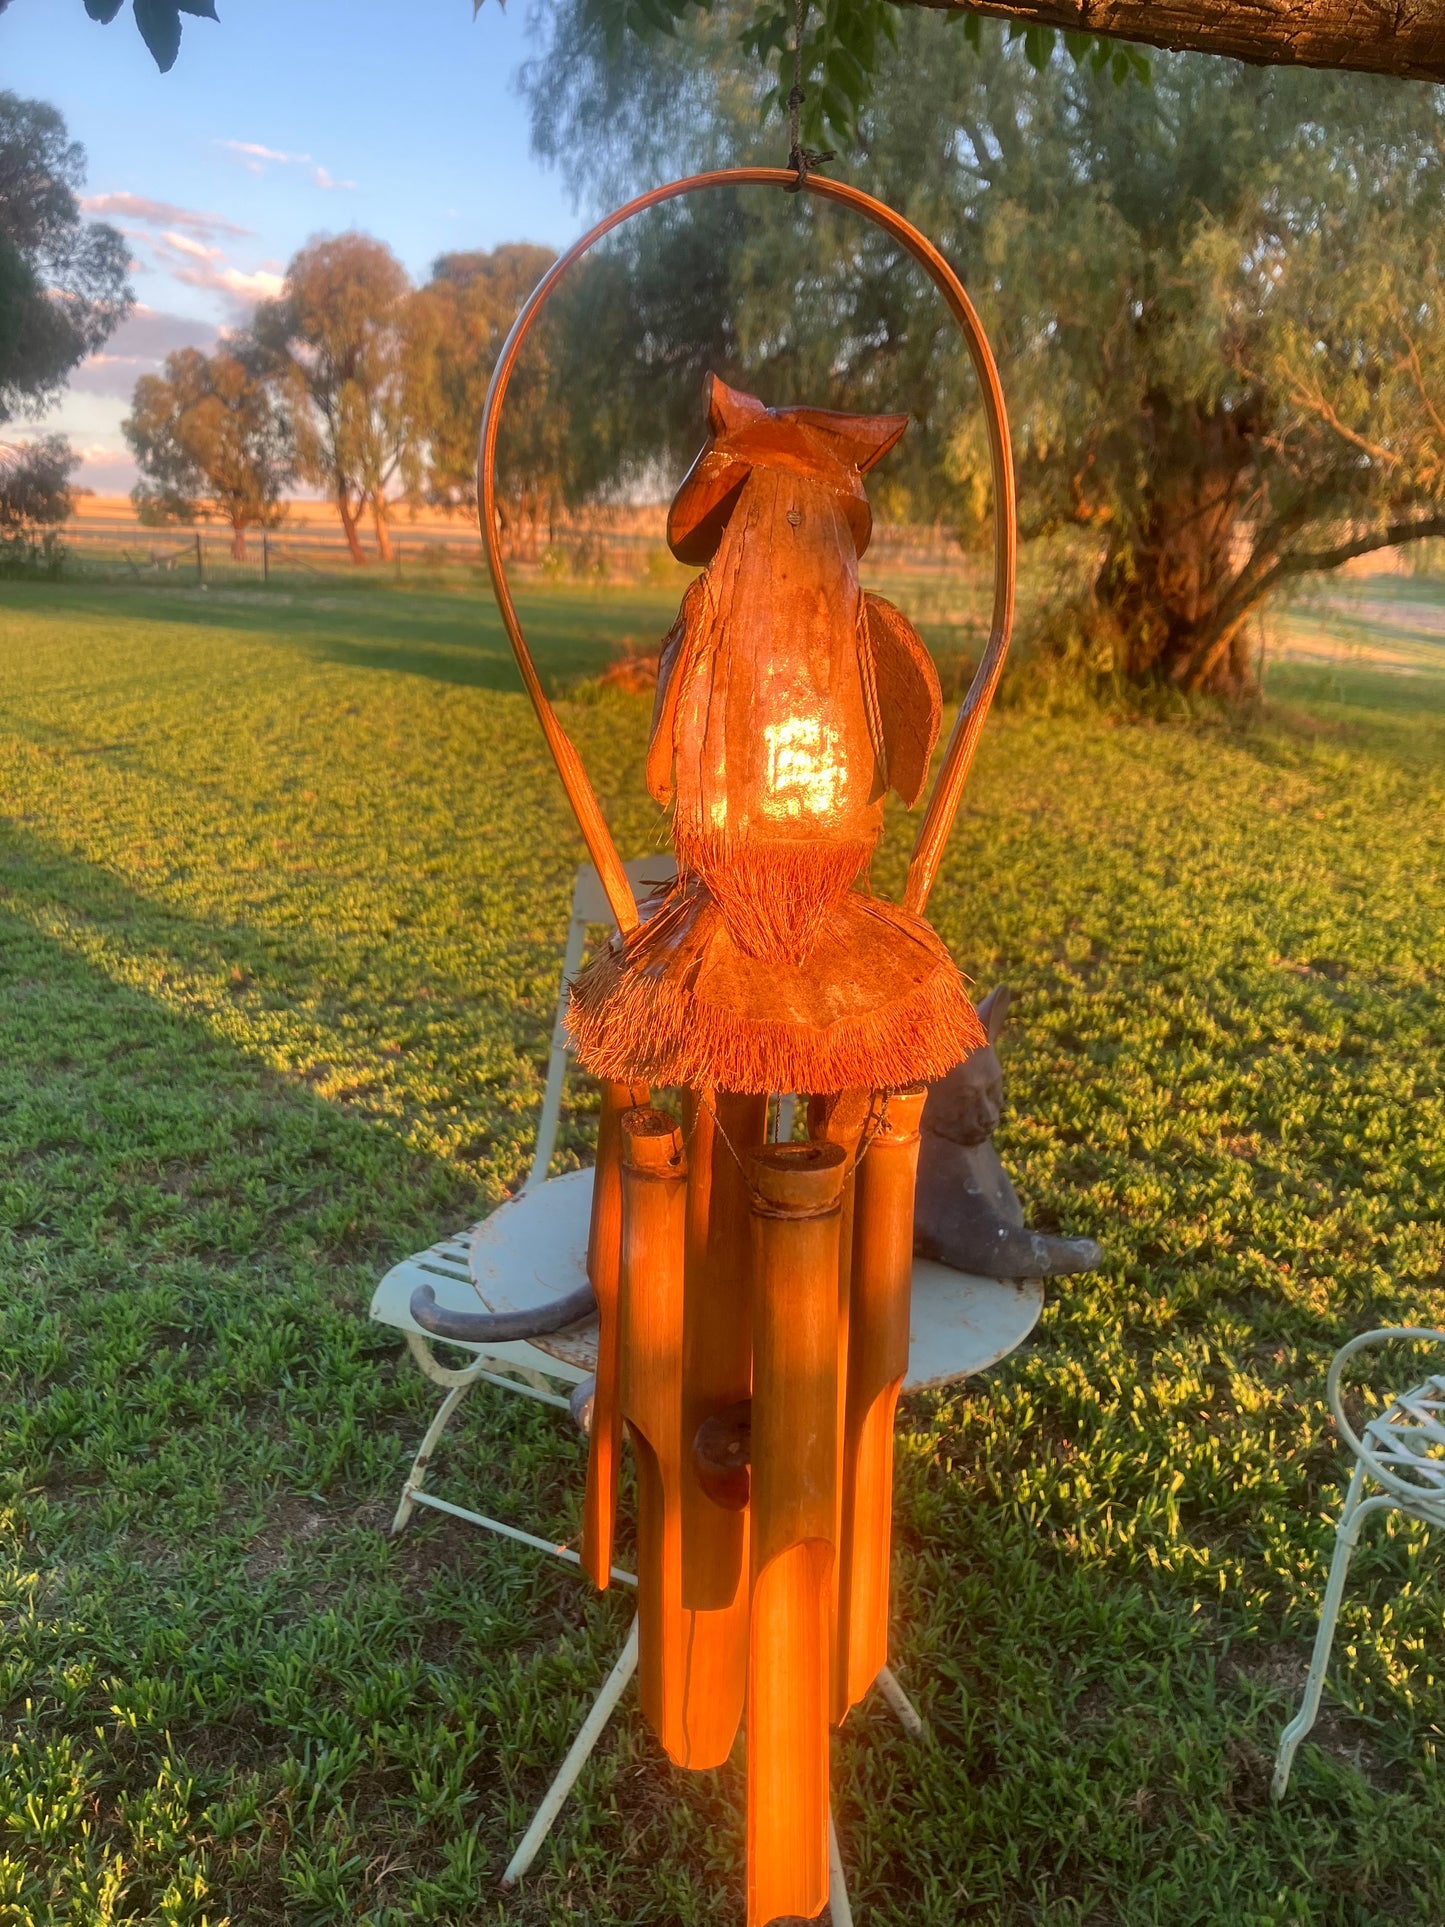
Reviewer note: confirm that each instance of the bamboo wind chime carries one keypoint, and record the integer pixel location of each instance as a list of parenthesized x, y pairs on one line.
[(753, 1297)]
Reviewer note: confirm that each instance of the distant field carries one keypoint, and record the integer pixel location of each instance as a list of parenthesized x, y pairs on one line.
[(283, 878), (1390, 624)]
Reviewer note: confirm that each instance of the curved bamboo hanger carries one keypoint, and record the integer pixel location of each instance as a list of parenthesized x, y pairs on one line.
[(963, 742)]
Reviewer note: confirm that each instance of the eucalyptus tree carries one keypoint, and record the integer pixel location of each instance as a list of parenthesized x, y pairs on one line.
[(337, 342), (63, 279), (208, 431), (459, 321)]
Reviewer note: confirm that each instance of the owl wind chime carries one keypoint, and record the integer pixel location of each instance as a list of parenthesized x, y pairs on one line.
[(753, 1297)]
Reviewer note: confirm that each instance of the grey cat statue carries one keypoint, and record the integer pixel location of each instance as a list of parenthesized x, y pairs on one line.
[(966, 1212)]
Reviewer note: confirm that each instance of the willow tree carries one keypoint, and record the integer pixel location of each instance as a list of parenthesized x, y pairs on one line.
[(1216, 298)]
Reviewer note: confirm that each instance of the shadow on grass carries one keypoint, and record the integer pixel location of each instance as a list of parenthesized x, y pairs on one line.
[(446, 637)]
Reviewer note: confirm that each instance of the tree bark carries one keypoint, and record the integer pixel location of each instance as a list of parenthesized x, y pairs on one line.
[(238, 541), (1159, 597), (348, 522), (1401, 37), (379, 523)]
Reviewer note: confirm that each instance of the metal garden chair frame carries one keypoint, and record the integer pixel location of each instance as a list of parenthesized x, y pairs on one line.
[(1403, 1451)]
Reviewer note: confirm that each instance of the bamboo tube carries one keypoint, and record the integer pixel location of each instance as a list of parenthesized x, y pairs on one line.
[(795, 1206), (717, 1374), (882, 1275), (654, 1207), (841, 1120), (604, 1258)]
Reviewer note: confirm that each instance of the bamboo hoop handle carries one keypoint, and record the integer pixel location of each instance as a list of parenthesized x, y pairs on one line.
[(963, 742)]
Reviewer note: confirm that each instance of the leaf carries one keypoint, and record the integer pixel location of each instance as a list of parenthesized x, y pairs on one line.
[(1038, 47), (160, 28), (1119, 66), (1078, 45), (1100, 57), (202, 9), (103, 10), (973, 29)]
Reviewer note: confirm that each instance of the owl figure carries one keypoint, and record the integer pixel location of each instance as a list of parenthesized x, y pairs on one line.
[(789, 702)]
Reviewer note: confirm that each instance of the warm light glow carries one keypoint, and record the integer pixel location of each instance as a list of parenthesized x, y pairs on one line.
[(805, 773)]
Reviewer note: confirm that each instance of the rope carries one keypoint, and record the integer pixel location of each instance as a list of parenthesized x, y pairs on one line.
[(871, 1127), (802, 160)]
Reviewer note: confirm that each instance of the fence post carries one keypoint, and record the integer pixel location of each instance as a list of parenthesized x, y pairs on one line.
[(265, 557), (200, 565)]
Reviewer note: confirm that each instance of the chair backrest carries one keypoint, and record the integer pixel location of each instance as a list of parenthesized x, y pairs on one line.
[(589, 906), (1403, 1448)]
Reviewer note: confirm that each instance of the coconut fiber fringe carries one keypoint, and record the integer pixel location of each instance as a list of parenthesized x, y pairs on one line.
[(655, 1010), (774, 895)]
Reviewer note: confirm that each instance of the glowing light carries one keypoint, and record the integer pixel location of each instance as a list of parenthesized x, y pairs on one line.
[(806, 776)]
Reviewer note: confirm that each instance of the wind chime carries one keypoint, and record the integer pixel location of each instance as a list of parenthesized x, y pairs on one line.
[(753, 1297)]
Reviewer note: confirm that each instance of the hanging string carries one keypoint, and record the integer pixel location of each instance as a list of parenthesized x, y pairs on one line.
[(801, 159)]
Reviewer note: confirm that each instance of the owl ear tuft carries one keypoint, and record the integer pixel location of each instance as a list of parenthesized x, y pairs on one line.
[(729, 409), (860, 440)]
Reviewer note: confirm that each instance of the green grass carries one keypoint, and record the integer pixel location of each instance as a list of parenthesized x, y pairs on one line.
[(282, 887)]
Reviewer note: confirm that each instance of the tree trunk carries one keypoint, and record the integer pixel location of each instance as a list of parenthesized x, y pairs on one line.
[(348, 522), (1158, 596), (238, 541), (1368, 36), (379, 523)]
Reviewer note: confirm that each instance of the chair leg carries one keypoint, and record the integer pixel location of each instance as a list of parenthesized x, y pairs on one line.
[(1346, 1538), (907, 1714), (579, 1752), (839, 1910), (423, 1457)]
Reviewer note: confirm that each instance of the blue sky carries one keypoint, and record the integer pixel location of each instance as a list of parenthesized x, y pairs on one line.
[(289, 118)]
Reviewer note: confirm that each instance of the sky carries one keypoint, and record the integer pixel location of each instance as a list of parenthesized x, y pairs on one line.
[(289, 118)]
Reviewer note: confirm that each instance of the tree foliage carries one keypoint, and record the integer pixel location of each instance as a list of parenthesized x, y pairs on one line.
[(35, 484), (208, 430), (63, 286), (337, 341), (1216, 301), (459, 321)]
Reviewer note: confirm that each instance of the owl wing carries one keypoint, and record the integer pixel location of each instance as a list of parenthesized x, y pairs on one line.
[(677, 650), (909, 701)]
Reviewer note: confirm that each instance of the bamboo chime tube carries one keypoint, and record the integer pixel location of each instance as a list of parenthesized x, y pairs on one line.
[(604, 1258), (796, 1192), (882, 1272), (841, 1120), (717, 1376), (654, 1205)]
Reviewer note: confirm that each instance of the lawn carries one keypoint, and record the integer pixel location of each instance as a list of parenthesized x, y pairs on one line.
[(283, 877)]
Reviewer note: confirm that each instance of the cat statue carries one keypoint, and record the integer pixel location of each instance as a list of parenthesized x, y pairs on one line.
[(966, 1212)]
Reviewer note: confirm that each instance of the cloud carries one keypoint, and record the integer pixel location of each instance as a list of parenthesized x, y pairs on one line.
[(254, 151), (262, 285), (256, 158), (183, 244), (138, 347), (138, 207)]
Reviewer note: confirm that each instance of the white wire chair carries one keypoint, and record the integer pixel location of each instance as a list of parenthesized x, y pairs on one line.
[(1403, 1451)]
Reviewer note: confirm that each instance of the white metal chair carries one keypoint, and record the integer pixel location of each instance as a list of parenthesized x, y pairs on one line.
[(532, 1251), (1402, 1450)]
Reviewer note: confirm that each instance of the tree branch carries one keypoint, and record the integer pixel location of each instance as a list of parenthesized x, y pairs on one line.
[(1196, 670), (1401, 37)]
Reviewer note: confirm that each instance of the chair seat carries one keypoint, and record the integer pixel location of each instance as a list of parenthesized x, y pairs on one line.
[(534, 1248)]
